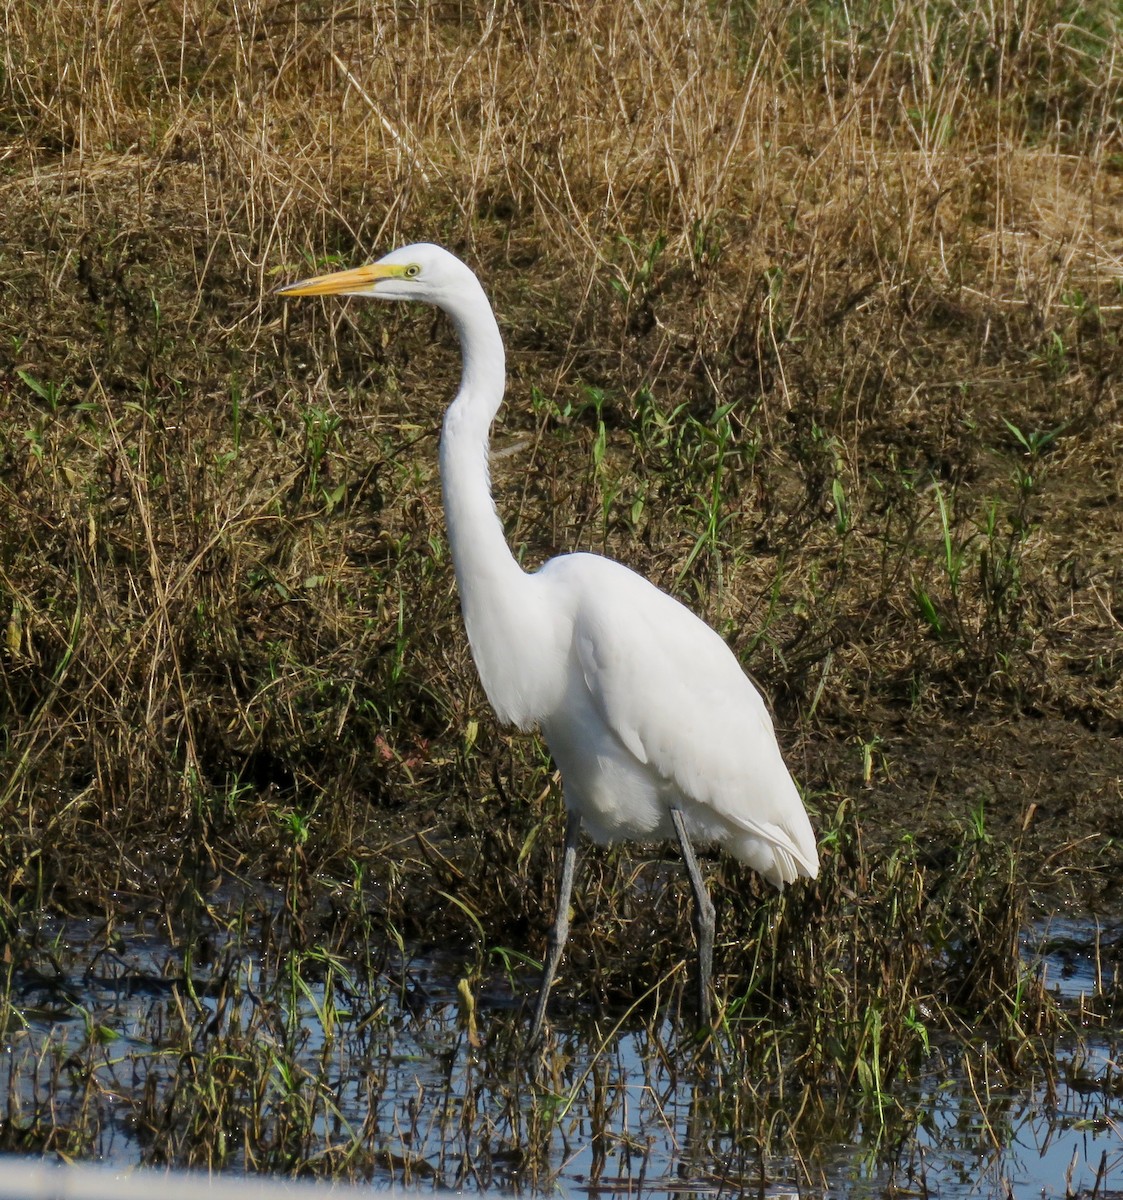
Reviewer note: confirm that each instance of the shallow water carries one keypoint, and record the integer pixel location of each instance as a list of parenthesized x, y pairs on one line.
[(113, 1051)]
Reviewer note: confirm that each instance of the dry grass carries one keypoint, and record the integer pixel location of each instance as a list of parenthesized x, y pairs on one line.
[(814, 321)]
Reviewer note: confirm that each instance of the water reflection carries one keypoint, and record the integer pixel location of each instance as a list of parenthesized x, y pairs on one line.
[(117, 1049)]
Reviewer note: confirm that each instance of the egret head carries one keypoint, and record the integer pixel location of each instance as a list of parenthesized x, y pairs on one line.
[(420, 272)]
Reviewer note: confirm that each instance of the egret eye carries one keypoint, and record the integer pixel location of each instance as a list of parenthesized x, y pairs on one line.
[(412, 271)]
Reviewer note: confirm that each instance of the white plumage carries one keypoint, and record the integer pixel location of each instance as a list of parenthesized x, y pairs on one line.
[(658, 714), (656, 730)]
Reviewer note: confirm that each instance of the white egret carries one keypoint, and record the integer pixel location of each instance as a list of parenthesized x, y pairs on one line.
[(653, 725)]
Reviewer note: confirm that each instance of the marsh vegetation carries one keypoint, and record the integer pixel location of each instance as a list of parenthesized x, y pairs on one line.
[(813, 316)]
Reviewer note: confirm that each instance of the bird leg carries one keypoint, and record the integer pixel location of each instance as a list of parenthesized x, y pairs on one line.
[(560, 930), (703, 917)]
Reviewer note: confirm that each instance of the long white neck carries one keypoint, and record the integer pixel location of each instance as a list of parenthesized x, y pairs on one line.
[(499, 602)]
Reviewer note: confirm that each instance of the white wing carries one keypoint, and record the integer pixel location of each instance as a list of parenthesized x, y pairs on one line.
[(674, 694)]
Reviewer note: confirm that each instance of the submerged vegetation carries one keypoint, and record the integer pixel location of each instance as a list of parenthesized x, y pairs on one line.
[(813, 316), (231, 1035)]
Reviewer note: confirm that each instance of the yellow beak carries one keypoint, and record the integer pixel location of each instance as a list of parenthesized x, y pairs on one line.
[(342, 283)]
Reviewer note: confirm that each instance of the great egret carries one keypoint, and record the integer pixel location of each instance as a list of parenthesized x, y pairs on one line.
[(654, 726)]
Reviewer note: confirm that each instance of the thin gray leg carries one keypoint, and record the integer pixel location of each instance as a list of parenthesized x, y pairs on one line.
[(703, 918), (560, 931)]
